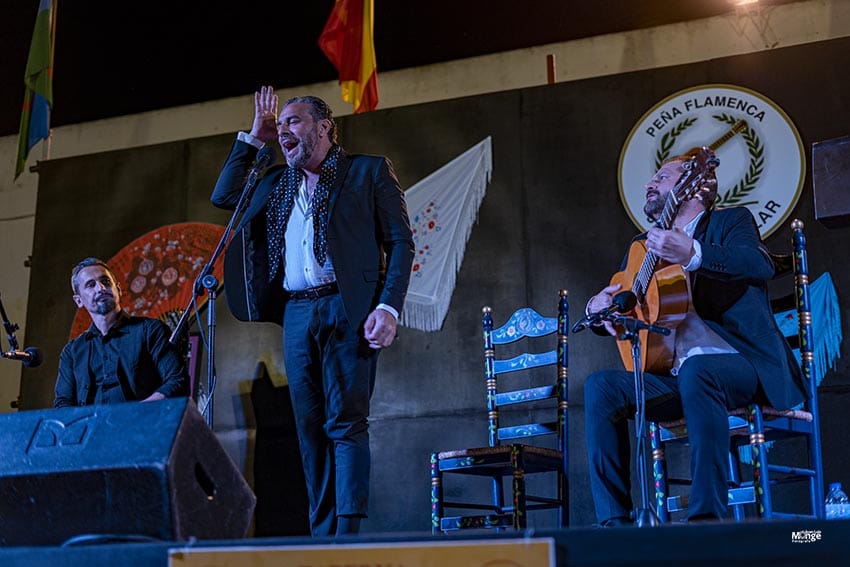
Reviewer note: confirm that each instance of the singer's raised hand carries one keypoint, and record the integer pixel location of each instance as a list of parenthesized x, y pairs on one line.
[(265, 115)]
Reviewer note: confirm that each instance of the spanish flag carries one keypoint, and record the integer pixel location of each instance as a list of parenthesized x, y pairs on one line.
[(348, 42), (38, 83)]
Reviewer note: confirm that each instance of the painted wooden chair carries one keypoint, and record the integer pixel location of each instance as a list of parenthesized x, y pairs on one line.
[(509, 452), (756, 428)]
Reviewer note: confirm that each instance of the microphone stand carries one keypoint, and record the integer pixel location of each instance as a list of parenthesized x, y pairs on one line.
[(644, 516), (206, 281), (10, 331), (10, 334)]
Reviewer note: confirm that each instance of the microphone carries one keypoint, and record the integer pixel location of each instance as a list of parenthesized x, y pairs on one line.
[(30, 356), (265, 157), (623, 302)]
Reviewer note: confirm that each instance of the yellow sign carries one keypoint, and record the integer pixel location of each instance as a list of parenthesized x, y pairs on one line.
[(537, 552)]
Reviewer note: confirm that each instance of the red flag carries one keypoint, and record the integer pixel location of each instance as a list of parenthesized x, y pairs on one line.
[(348, 43)]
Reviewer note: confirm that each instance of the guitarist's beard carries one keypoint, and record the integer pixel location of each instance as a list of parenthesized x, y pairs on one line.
[(653, 208)]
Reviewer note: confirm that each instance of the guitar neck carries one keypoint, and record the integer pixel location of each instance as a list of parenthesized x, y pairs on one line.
[(644, 275), (647, 268), (683, 190)]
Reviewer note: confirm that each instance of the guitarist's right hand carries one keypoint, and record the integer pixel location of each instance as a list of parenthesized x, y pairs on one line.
[(602, 300), (673, 245)]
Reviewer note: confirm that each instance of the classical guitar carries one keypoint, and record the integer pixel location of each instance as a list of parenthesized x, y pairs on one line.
[(661, 288)]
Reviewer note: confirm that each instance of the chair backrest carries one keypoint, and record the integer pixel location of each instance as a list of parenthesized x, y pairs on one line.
[(526, 323), (809, 318), (793, 315)]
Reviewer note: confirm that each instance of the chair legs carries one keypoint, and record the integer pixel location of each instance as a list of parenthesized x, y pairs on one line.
[(739, 493), (659, 473), (764, 475), (520, 519), (564, 496), (755, 425), (500, 511), (734, 481), (436, 493)]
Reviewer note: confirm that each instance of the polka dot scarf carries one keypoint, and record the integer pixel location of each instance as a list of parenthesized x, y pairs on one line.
[(282, 201)]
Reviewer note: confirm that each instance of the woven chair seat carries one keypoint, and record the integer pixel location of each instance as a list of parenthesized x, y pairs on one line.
[(499, 450), (768, 412)]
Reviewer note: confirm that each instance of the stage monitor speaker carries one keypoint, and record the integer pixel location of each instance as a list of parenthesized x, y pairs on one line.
[(117, 472), (831, 181)]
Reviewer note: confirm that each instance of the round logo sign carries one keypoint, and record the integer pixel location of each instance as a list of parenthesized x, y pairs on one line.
[(762, 165)]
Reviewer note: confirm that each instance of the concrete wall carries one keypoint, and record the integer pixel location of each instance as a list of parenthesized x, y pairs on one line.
[(700, 40), (403, 132)]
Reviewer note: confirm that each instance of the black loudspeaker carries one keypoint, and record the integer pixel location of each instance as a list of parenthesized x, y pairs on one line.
[(831, 181), (122, 471)]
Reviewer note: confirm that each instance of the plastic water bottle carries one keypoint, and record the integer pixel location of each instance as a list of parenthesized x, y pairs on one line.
[(837, 506)]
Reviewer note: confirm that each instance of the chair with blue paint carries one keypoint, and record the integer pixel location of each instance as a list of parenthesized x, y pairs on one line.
[(513, 451), (811, 322)]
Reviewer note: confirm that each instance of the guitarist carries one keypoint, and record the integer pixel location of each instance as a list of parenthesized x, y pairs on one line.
[(728, 350)]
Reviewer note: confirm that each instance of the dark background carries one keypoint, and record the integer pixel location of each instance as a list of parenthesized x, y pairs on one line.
[(118, 57), (551, 219)]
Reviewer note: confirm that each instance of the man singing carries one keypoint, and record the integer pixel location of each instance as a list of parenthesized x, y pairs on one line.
[(324, 247)]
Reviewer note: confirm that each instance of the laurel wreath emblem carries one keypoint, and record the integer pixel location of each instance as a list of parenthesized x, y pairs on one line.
[(747, 184), (669, 139)]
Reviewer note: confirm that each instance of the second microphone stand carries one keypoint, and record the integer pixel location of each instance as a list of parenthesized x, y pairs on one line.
[(206, 281), (10, 329)]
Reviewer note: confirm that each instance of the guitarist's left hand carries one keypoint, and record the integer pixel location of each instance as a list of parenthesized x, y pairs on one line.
[(673, 245)]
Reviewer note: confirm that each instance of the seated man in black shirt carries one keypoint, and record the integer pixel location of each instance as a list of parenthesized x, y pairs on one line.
[(119, 358)]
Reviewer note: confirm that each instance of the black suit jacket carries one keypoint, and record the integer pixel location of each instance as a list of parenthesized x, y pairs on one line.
[(729, 292), (369, 238)]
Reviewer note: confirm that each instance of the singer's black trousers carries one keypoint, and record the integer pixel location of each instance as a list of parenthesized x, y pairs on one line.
[(331, 373), (705, 388)]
